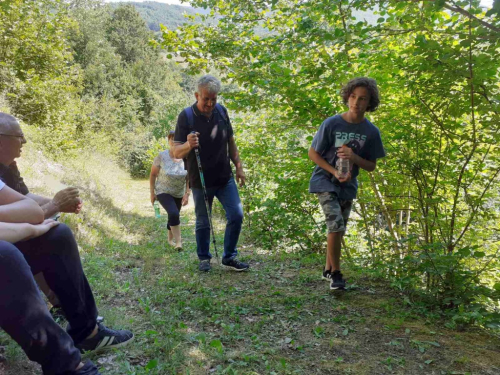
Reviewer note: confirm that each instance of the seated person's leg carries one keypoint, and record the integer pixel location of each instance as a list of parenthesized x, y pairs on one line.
[(56, 255), (44, 287), (24, 316)]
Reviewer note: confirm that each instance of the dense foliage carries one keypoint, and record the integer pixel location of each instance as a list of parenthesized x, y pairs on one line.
[(88, 74), (428, 217)]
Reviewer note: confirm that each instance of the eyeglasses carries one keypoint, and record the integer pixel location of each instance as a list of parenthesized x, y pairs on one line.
[(14, 135)]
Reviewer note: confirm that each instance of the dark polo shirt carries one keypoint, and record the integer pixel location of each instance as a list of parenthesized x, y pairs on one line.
[(12, 178), (214, 150)]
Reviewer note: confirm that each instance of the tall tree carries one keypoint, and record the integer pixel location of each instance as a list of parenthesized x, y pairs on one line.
[(35, 60), (437, 67)]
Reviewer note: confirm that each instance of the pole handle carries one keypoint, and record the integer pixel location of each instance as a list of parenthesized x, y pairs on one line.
[(193, 132)]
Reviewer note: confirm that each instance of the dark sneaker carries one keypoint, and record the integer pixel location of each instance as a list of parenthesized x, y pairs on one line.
[(204, 265), (327, 275), (337, 281), (235, 265), (106, 338), (88, 369)]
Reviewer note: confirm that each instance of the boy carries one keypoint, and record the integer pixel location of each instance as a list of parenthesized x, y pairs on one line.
[(348, 141)]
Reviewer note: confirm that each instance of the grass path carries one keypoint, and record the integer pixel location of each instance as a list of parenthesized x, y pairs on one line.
[(278, 318)]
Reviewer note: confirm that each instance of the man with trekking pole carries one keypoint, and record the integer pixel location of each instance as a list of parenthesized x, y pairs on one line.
[(204, 137)]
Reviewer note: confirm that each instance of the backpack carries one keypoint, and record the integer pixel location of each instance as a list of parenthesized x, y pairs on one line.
[(190, 116)]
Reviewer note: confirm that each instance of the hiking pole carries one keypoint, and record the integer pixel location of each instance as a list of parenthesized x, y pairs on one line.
[(207, 204)]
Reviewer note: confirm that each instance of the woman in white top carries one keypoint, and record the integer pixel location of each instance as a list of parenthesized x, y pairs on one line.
[(169, 184)]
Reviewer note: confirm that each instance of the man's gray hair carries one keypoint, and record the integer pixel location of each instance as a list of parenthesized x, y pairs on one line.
[(209, 83), (6, 121)]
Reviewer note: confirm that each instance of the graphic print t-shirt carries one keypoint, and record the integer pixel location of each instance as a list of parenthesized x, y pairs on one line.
[(364, 140)]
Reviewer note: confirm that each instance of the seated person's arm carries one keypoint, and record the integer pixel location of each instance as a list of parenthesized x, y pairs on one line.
[(15, 232), (39, 199), (16, 208), (66, 200)]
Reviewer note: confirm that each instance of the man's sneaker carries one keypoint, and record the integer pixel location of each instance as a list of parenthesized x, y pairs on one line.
[(204, 265), (327, 275), (88, 369), (106, 338), (235, 265), (337, 281)]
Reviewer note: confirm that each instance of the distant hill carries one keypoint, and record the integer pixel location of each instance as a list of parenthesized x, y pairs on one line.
[(172, 16)]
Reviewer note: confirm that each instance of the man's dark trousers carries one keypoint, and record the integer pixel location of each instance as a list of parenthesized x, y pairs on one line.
[(24, 314)]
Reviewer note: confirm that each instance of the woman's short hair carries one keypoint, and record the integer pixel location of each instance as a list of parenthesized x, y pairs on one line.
[(171, 134), (369, 83), (209, 83)]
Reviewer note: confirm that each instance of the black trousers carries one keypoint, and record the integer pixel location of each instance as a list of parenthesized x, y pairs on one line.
[(24, 314), (173, 207)]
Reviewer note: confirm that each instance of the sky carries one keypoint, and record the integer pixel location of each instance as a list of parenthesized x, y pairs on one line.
[(486, 3)]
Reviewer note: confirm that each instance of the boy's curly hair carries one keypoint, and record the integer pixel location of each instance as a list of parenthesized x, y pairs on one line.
[(369, 83)]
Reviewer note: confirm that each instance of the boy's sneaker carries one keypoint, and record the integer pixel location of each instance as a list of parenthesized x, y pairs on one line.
[(106, 338), (204, 265), (88, 369), (327, 275), (337, 281), (235, 265)]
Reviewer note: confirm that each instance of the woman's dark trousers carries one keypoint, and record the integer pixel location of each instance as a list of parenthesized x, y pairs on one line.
[(173, 207)]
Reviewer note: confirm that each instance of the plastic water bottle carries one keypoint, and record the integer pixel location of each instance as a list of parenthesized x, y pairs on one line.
[(156, 206), (343, 167)]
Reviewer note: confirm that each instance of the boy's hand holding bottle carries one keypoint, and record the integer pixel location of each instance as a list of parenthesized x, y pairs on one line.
[(343, 164)]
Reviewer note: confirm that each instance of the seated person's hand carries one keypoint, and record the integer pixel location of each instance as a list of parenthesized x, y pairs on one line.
[(40, 229), (67, 200), (79, 206)]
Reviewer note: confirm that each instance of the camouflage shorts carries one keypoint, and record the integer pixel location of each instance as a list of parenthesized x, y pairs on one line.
[(336, 211)]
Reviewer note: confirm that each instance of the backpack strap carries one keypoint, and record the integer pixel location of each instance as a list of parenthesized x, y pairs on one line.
[(190, 118), (222, 112)]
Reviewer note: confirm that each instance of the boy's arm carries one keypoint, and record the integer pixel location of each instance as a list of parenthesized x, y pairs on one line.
[(322, 163), (346, 153)]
